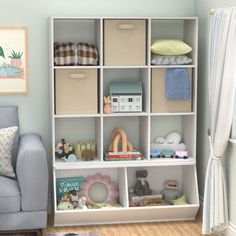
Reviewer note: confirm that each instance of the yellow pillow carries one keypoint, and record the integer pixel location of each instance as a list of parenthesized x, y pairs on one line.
[(170, 47)]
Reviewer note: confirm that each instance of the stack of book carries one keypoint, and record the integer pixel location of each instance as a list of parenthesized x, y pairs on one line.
[(123, 156)]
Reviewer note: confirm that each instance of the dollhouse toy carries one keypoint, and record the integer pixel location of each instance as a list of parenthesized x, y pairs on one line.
[(126, 96)]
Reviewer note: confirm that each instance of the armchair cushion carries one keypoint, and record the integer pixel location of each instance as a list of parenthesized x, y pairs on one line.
[(10, 199), (7, 136)]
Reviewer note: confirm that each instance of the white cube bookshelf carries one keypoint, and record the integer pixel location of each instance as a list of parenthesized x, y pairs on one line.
[(141, 127)]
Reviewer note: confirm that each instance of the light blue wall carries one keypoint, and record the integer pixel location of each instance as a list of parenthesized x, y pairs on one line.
[(34, 108), (202, 11)]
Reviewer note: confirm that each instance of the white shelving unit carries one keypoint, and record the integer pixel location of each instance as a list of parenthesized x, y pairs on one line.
[(142, 128)]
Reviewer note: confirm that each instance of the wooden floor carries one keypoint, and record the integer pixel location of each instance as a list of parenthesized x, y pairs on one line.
[(181, 228)]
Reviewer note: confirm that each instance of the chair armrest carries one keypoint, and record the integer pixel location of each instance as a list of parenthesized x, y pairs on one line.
[(32, 173)]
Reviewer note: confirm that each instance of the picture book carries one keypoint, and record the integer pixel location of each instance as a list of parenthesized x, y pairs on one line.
[(64, 185)]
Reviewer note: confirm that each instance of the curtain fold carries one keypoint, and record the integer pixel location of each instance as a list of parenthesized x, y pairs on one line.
[(222, 83)]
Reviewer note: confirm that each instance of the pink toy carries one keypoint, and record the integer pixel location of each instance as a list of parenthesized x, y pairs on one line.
[(112, 190)]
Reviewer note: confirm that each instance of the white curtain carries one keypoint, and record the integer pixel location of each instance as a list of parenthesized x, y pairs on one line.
[(222, 81)]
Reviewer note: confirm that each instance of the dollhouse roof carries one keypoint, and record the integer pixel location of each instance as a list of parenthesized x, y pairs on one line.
[(125, 88)]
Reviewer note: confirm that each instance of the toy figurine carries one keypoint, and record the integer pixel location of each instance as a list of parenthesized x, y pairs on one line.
[(141, 188), (63, 149), (107, 105), (82, 205), (170, 191), (70, 158)]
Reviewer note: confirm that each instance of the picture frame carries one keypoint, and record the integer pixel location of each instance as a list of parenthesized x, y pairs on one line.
[(13, 60)]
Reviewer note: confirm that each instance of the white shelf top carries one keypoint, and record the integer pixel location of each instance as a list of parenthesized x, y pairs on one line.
[(122, 67), (75, 67), (123, 17), (126, 67), (173, 66), (61, 165), (77, 115), (126, 114), (173, 114)]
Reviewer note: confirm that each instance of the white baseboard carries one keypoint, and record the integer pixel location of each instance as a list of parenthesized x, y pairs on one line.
[(231, 231)]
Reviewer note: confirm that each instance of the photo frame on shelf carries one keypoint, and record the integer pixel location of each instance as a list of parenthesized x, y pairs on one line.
[(13, 60)]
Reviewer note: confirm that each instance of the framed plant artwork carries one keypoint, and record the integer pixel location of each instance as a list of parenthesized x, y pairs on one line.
[(13, 60)]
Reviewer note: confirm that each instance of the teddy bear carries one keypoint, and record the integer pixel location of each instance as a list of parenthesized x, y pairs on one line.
[(107, 105)]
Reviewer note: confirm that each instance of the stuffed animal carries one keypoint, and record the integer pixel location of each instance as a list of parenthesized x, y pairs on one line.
[(63, 149), (65, 206), (170, 142), (141, 188), (88, 155), (107, 105), (170, 191), (179, 201)]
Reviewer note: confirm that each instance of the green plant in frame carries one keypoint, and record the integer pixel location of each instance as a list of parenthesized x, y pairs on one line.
[(16, 55), (2, 52)]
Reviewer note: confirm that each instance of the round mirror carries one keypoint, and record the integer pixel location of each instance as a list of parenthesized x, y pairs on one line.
[(98, 192)]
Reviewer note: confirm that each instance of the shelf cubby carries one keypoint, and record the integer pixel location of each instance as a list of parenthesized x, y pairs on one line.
[(79, 129), (182, 174), (115, 175), (133, 126), (161, 126), (128, 74), (86, 30), (176, 28)]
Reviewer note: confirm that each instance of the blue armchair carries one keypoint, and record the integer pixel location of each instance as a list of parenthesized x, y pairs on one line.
[(23, 201)]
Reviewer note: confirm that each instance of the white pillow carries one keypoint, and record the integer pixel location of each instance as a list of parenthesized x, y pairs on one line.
[(170, 60), (6, 143)]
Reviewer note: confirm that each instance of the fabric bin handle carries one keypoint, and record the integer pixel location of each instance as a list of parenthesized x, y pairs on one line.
[(77, 76), (126, 26)]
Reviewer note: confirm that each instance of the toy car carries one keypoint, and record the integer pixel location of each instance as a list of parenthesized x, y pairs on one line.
[(155, 154), (181, 154), (169, 154)]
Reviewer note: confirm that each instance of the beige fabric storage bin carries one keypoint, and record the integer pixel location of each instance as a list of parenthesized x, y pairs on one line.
[(124, 42), (159, 103), (76, 91)]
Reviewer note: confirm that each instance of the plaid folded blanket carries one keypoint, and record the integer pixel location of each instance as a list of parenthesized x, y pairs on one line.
[(87, 54), (75, 54), (64, 54)]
